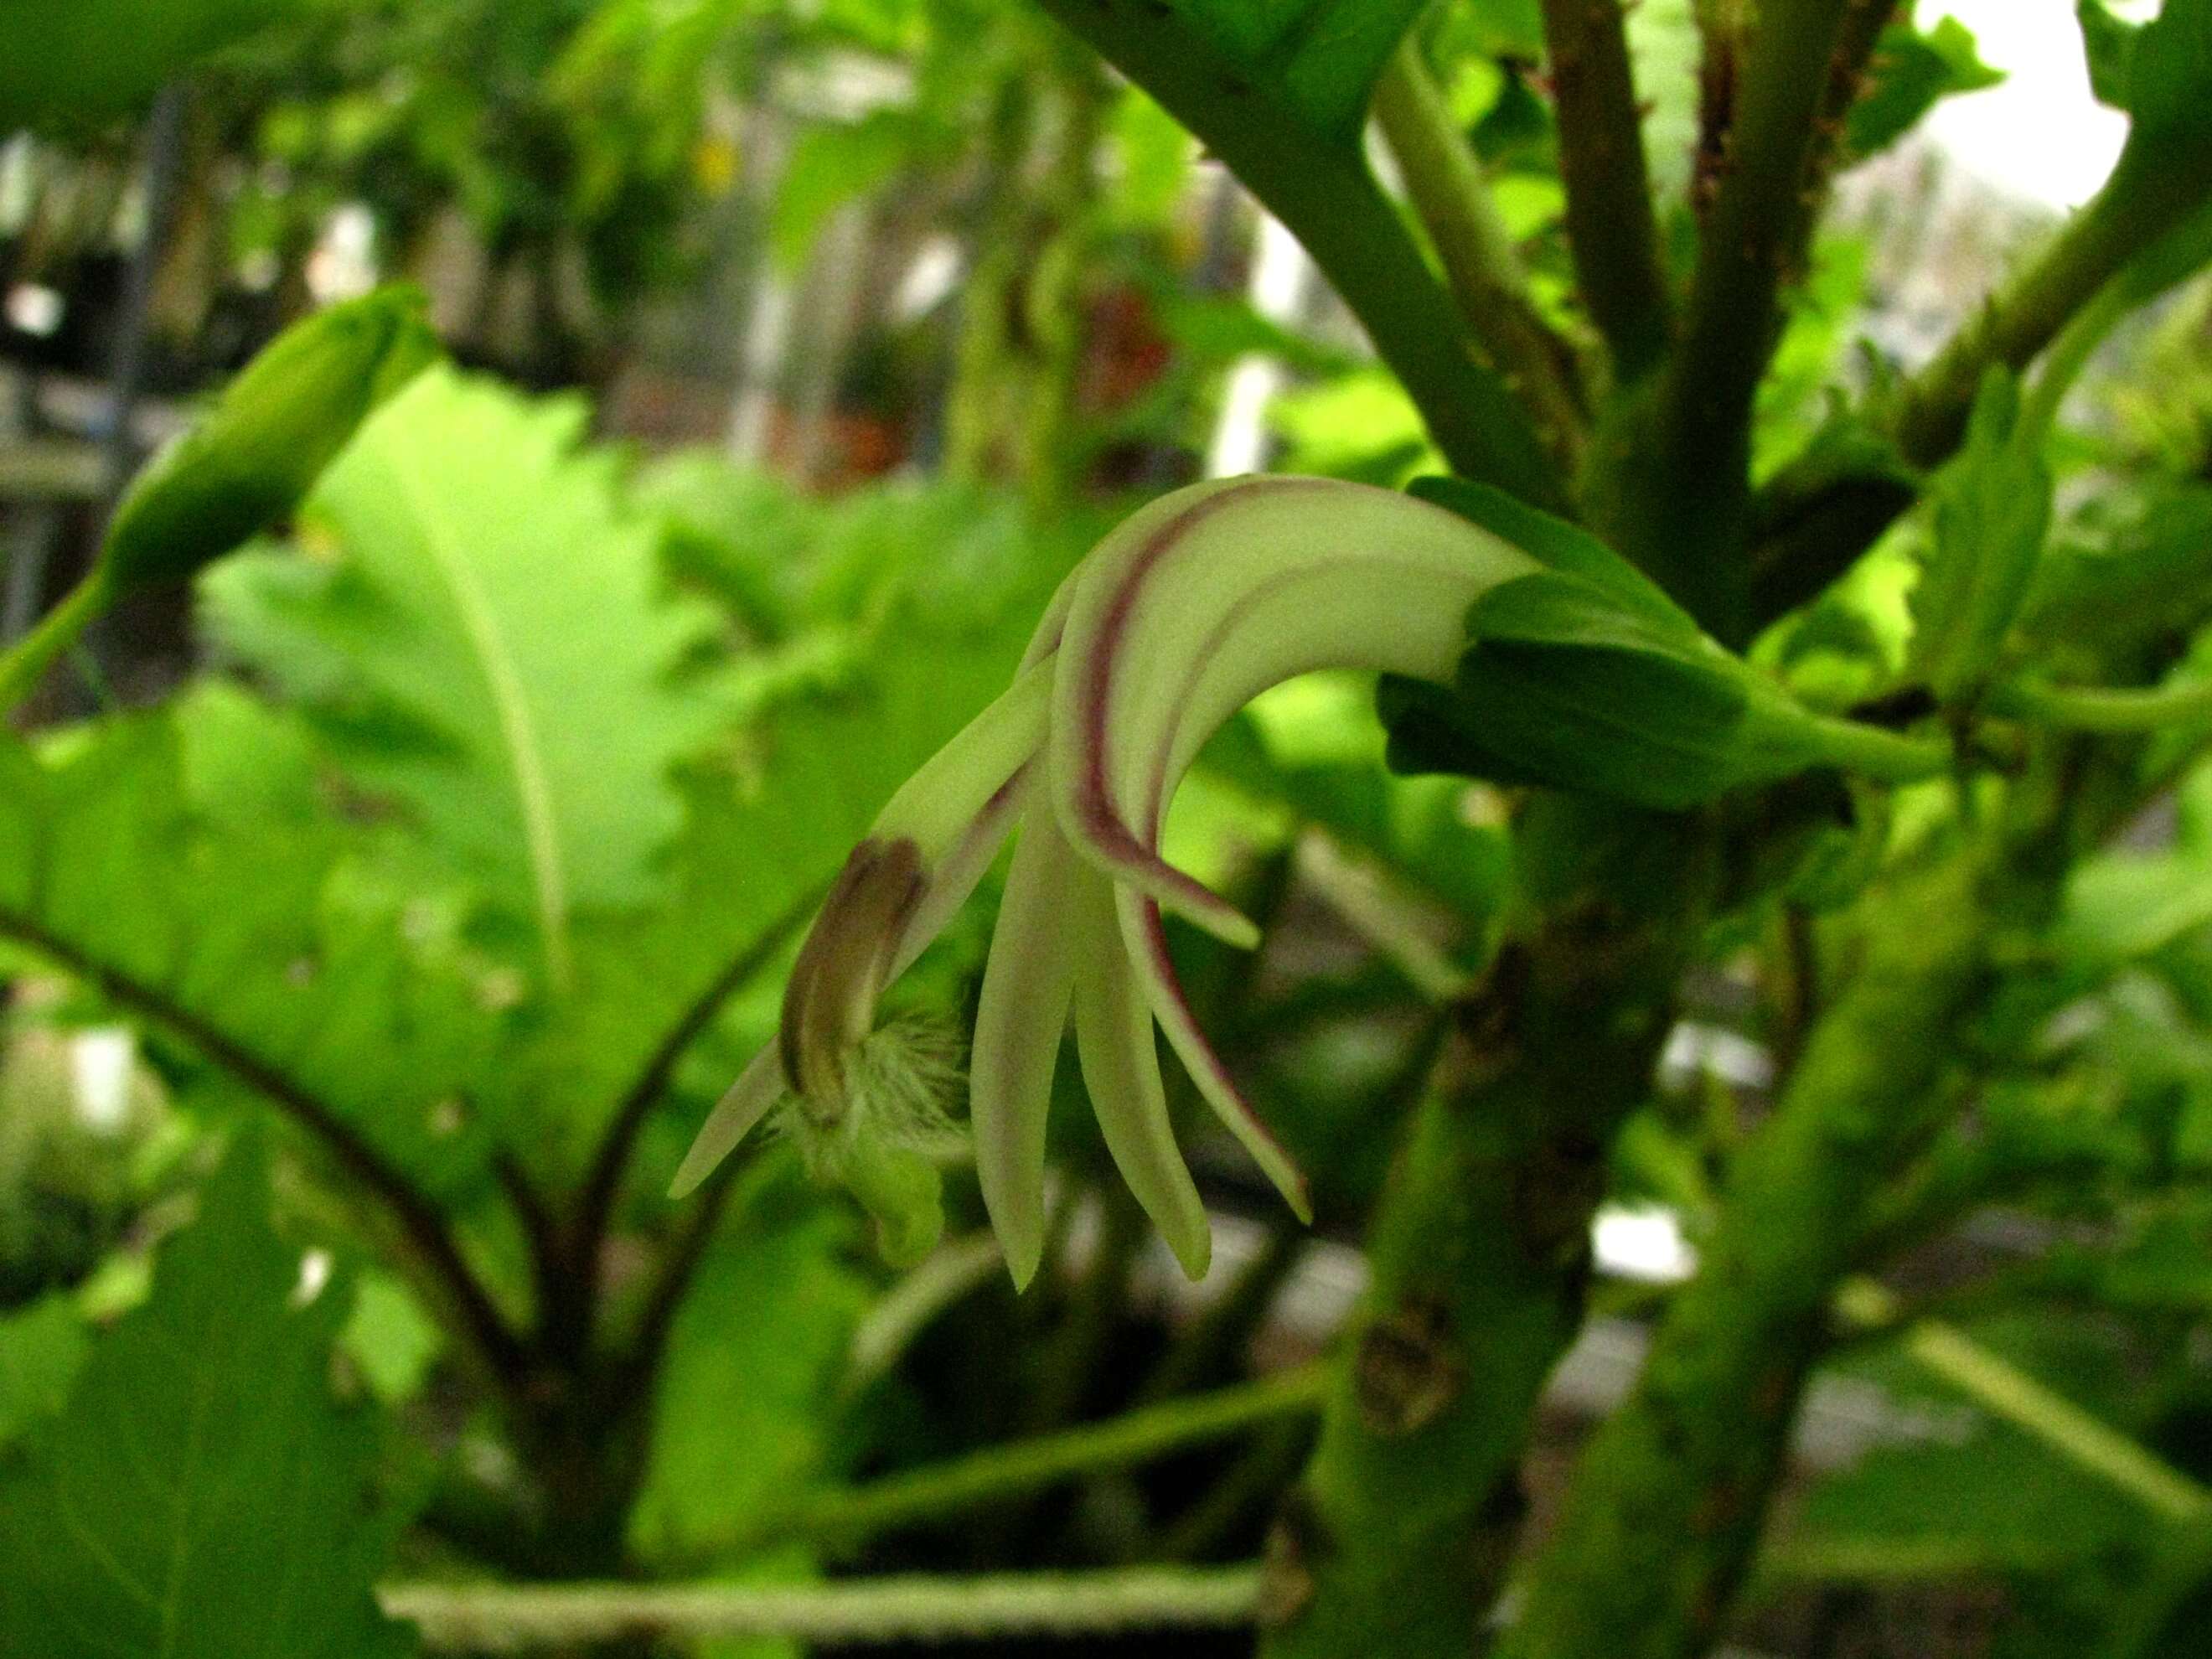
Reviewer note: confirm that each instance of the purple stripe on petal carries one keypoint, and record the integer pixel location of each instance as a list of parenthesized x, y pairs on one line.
[(1147, 947)]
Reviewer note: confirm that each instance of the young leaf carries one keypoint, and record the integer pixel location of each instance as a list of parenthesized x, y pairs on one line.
[(490, 647), (1909, 73), (202, 1496), (1992, 512)]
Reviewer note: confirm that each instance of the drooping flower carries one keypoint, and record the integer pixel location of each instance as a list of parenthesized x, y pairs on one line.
[(1176, 621), (1194, 606)]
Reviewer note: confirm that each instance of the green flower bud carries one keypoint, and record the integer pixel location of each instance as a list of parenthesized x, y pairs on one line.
[(245, 466), (267, 440)]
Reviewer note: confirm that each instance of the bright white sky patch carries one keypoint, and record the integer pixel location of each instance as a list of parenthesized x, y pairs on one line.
[(2039, 134)]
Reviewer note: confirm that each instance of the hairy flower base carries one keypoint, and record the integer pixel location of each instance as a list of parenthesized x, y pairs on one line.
[(1194, 606)]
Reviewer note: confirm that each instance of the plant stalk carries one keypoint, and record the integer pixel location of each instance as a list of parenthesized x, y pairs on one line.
[(468, 1617), (1481, 265), (1612, 230), (1669, 1495)]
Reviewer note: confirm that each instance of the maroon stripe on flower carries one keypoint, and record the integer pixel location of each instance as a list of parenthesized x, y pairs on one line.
[(1231, 1097), (1101, 821)]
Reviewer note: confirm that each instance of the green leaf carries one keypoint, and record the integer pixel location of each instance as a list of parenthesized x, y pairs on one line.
[(237, 929), (2161, 75), (830, 167), (42, 1349), (2122, 907), (741, 1421), (67, 67), (1564, 547), (1992, 513), (203, 1494), (2147, 576), (490, 645), (1909, 73), (1612, 714), (267, 440), (2110, 44)]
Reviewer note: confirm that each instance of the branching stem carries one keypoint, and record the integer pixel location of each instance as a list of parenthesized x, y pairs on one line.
[(1611, 228), (1481, 264), (582, 1243)]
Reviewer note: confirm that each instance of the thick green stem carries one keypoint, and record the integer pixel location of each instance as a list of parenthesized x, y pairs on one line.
[(2137, 207), (1397, 1541), (1684, 495), (1612, 230), (916, 1609), (1481, 262), (1669, 1495)]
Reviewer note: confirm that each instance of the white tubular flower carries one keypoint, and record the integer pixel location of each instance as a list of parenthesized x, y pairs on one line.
[(1190, 608)]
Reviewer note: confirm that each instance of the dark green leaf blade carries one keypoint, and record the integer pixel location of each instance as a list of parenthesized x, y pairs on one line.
[(202, 1496), (66, 67)]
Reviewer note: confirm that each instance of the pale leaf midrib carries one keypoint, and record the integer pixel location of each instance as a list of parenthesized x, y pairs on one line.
[(517, 731)]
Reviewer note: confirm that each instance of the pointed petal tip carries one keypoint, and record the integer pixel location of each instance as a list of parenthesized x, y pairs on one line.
[(1193, 901), (1022, 1266), (698, 1163), (1193, 1251), (1231, 926), (686, 1182), (746, 1102)]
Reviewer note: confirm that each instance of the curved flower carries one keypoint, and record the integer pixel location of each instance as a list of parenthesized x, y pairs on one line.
[(1192, 607)]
